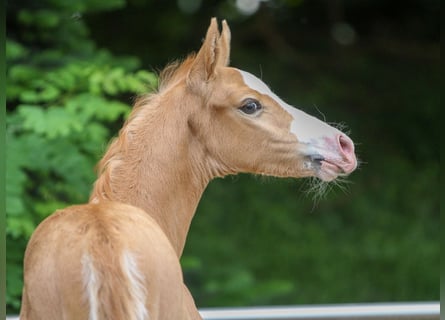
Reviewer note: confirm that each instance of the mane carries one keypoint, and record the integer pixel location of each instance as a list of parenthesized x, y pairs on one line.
[(174, 72), (171, 75)]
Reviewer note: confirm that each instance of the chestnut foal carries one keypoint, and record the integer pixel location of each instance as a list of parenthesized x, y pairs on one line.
[(117, 257)]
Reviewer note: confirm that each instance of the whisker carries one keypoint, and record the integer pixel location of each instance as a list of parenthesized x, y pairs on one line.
[(318, 189), (342, 184), (321, 113), (341, 126)]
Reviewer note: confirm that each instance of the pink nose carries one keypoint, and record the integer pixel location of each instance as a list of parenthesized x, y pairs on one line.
[(346, 147)]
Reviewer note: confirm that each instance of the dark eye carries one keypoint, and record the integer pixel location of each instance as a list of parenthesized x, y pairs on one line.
[(251, 106)]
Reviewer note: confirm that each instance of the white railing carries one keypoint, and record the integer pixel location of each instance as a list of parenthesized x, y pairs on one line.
[(375, 311), (370, 311)]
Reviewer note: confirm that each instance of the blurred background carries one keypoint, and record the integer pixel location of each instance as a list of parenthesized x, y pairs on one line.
[(75, 67)]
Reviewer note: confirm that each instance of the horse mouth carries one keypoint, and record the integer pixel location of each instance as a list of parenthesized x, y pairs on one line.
[(325, 169)]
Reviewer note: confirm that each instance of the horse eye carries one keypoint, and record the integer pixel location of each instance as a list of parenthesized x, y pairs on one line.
[(251, 106)]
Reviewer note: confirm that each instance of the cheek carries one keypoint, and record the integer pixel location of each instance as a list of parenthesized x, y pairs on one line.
[(238, 137), (278, 121)]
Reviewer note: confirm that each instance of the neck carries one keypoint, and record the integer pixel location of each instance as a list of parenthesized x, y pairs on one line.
[(158, 165)]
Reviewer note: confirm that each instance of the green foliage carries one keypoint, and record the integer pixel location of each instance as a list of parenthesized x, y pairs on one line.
[(62, 100)]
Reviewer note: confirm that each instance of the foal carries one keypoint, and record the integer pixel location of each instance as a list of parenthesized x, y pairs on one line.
[(117, 257)]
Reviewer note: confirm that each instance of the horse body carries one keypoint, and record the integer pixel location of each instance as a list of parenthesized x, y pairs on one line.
[(108, 261), (117, 257)]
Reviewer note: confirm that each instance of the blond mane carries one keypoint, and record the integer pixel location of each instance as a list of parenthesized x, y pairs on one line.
[(172, 74)]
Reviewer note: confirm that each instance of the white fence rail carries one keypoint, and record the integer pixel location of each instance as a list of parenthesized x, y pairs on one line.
[(372, 311)]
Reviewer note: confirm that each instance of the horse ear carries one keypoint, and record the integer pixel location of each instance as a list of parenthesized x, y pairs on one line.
[(214, 52), (223, 55)]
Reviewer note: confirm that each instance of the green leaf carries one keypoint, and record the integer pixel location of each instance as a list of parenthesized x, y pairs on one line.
[(64, 79), (15, 50), (30, 96), (110, 86), (19, 226), (33, 118), (49, 93), (95, 82), (46, 19), (53, 122), (147, 77), (22, 72), (14, 205), (60, 123)]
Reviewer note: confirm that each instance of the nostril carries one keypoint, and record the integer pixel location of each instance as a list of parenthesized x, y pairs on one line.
[(346, 145)]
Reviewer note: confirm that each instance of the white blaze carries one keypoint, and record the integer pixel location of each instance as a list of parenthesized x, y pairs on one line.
[(305, 127)]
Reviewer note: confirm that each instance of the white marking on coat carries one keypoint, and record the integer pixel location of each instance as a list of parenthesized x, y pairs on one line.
[(305, 127), (92, 286), (137, 289)]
